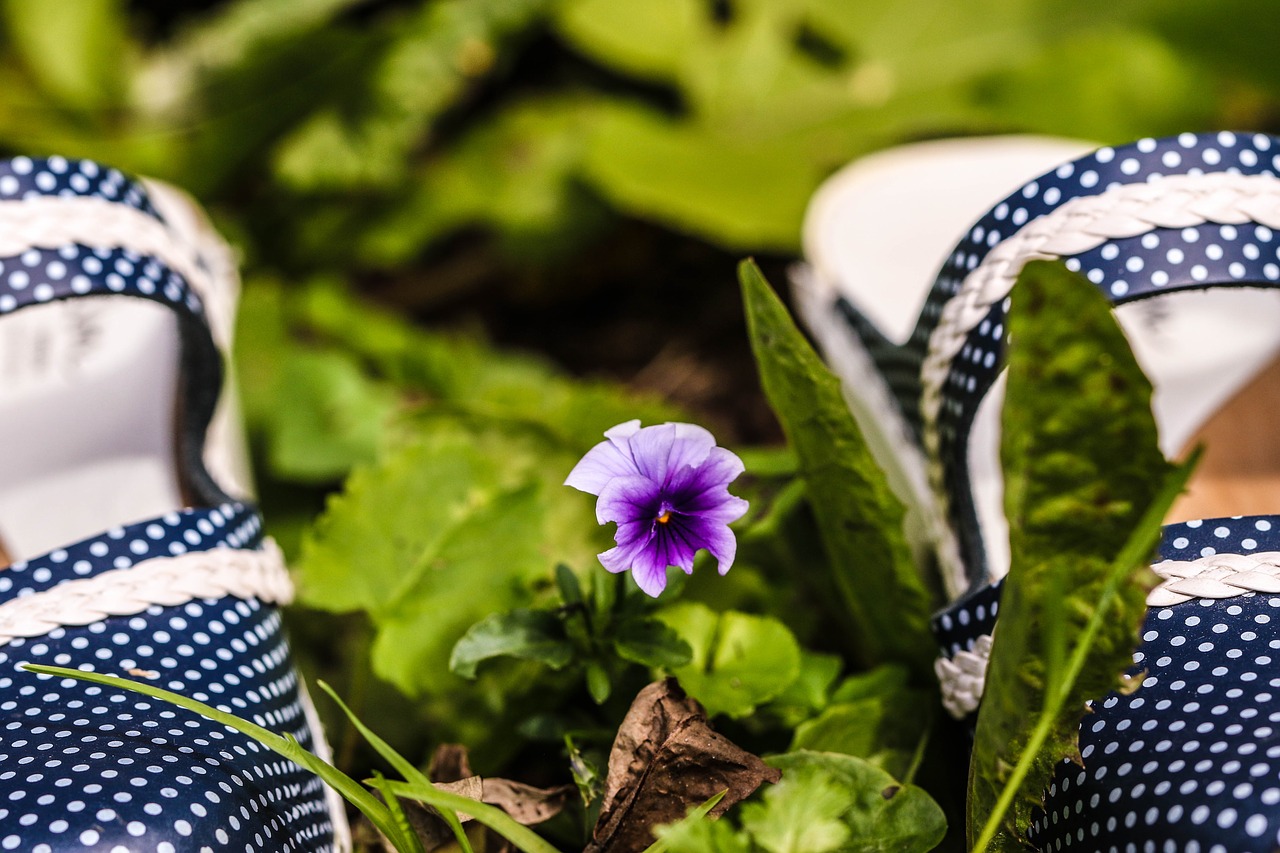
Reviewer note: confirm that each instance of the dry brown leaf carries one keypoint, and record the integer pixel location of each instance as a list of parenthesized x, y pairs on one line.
[(450, 770), (665, 760)]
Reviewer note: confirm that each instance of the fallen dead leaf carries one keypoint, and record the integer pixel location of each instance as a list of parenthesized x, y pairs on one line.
[(665, 760)]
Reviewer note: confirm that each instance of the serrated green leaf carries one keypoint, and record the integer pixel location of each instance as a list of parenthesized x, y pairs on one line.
[(467, 376), (535, 635), (859, 518), (874, 715), (650, 642), (881, 814), (739, 661), (438, 535), (1086, 488), (327, 416), (800, 814)]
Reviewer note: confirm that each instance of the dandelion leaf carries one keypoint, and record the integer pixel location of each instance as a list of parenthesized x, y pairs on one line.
[(1085, 489), (859, 518)]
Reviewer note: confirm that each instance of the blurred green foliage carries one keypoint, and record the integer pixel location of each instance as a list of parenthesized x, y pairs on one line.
[(357, 135)]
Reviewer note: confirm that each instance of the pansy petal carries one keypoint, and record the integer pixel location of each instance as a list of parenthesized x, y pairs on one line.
[(718, 506), (723, 545), (650, 449), (721, 466), (693, 446), (650, 572), (628, 498), (720, 469), (601, 464), (616, 559), (623, 431), (674, 544)]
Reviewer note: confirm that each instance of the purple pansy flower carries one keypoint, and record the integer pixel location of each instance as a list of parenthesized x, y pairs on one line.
[(667, 488)]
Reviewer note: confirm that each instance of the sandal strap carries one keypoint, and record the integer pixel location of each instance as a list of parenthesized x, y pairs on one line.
[(1176, 201), (160, 581), (73, 228)]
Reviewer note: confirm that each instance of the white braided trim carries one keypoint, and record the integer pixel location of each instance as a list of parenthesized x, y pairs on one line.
[(963, 677), (1218, 576), (1175, 201), (165, 581), (219, 289), (1215, 576), (52, 221)]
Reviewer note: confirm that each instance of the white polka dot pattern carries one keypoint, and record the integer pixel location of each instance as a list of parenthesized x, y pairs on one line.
[(1193, 756), (27, 177), (88, 767), (84, 767)]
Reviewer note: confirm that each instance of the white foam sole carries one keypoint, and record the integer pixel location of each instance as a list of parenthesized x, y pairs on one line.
[(87, 405)]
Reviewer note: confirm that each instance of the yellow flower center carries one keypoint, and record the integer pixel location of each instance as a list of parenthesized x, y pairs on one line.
[(664, 518)]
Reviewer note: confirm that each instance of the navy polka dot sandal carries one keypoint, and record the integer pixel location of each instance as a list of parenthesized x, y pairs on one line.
[(1179, 233), (111, 378)]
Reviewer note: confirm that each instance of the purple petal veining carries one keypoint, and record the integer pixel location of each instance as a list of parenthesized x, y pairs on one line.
[(666, 487)]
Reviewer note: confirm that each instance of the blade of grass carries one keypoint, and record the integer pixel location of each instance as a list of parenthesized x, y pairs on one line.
[(377, 812), (402, 765), (491, 816)]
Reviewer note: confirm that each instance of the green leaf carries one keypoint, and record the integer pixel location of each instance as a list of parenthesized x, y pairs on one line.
[(651, 642), (649, 40), (739, 661), (810, 692), (741, 191), (455, 525), (859, 518), (699, 835), (696, 833), (526, 634), (880, 813), (1113, 84), (468, 376), (569, 586), (800, 814), (328, 417), (878, 717), (599, 684), (1086, 488)]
